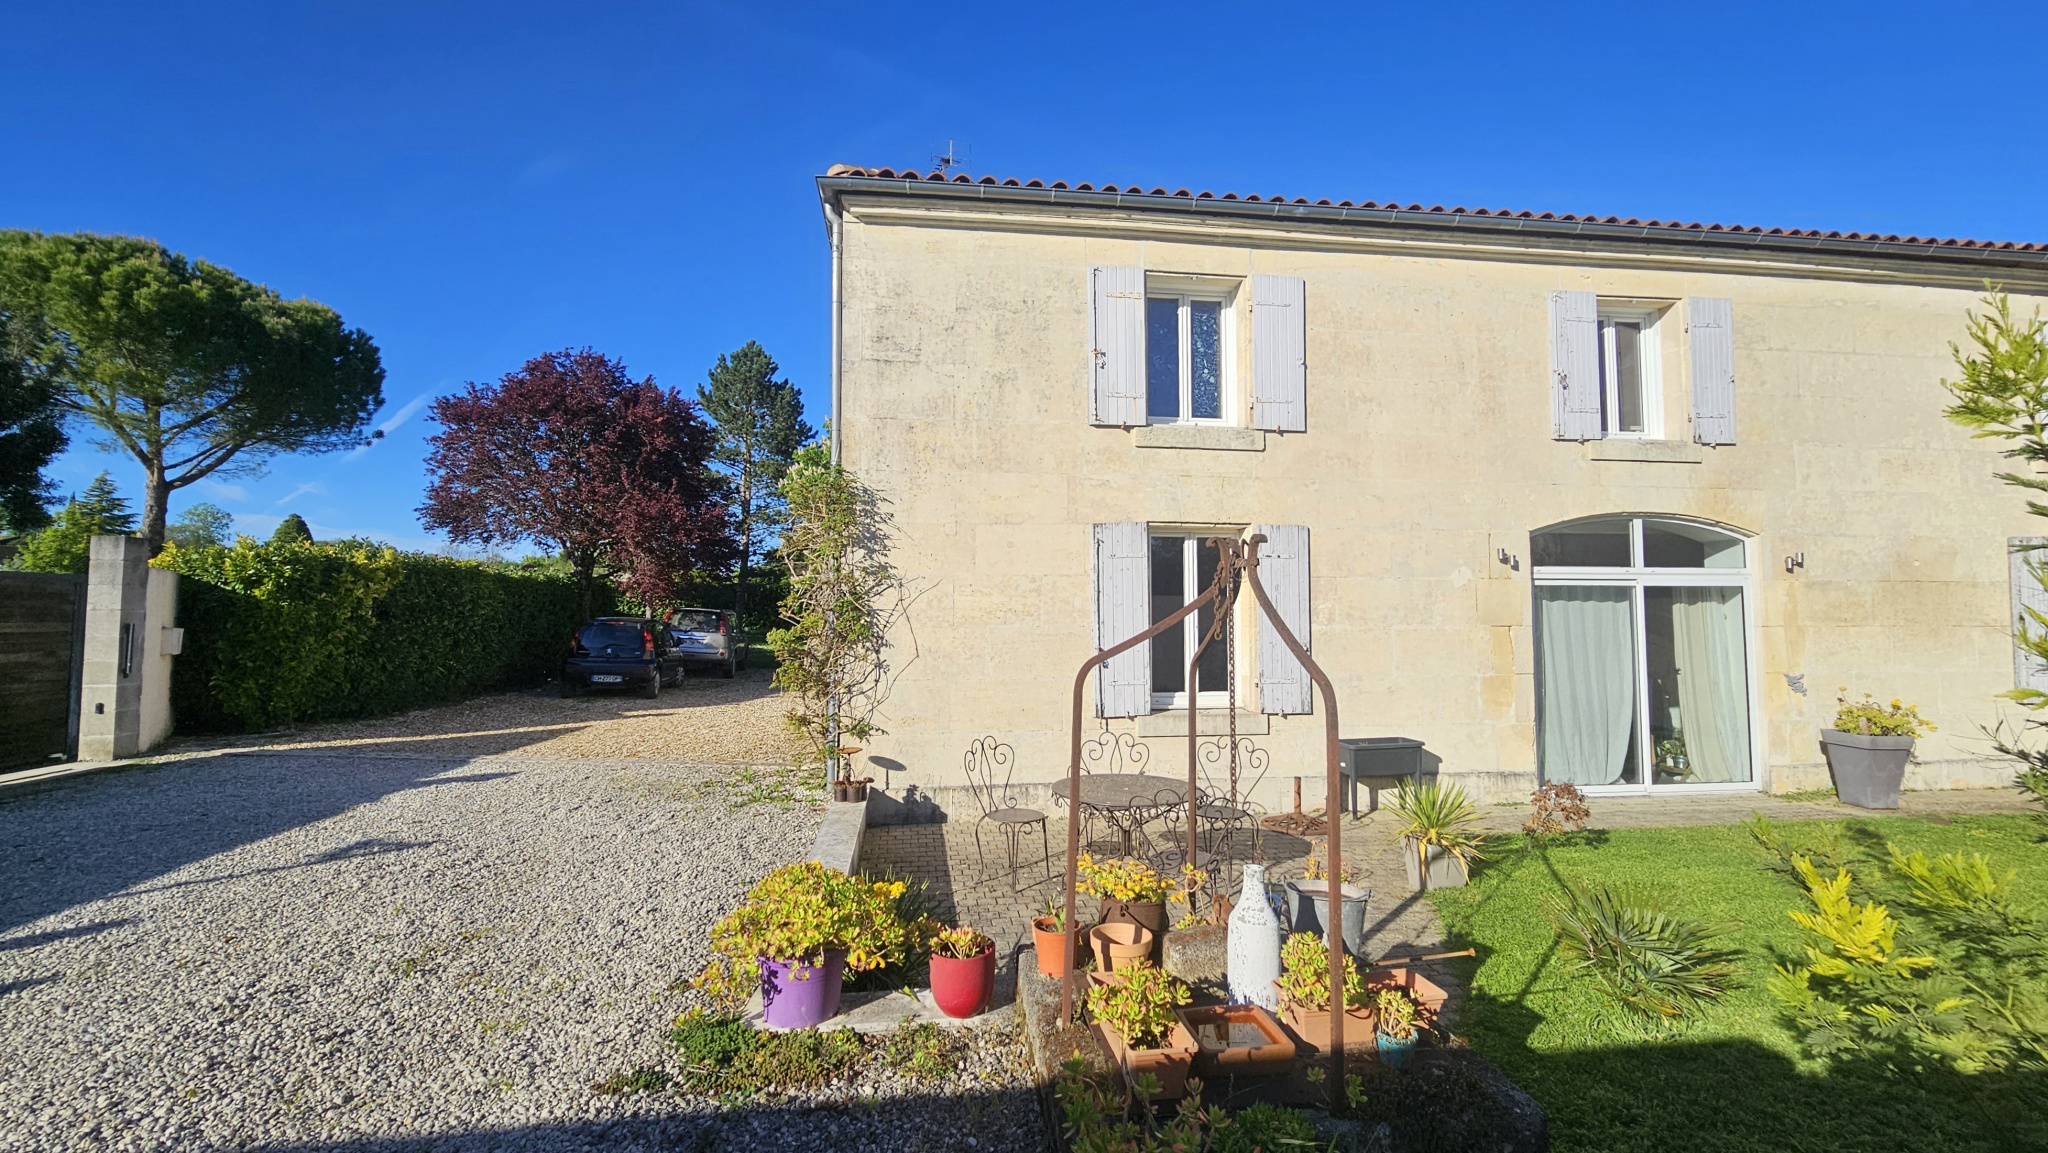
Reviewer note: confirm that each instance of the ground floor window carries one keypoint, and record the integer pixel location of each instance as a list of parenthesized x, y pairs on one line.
[(1642, 655), (1182, 567)]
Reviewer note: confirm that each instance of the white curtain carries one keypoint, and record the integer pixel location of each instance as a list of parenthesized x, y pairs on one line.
[(1713, 689), (1586, 679)]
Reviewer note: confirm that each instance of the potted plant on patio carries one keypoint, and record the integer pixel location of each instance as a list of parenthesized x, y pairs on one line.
[(1133, 892), (1868, 748), (1051, 938), (1308, 899), (797, 934), (1398, 1029), (1135, 1017), (1304, 991), (1439, 834), (963, 971)]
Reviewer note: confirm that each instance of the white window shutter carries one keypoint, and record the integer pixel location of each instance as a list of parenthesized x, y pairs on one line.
[(1575, 365), (1122, 575), (1710, 335), (1284, 686), (2028, 671), (1279, 353), (1116, 342)]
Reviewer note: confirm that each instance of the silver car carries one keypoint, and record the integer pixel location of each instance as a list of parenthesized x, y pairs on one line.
[(704, 636)]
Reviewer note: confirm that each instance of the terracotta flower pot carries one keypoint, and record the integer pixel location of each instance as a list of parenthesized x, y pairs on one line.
[(1150, 914), (962, 988), (1051, 945), (1237, 1039), (1312, 1026), (1429, 997), (1170, 1063), (1120, 945)]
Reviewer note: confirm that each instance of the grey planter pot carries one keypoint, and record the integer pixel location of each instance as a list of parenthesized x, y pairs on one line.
[(1308, 911), (1867, 770), (1445, 871)]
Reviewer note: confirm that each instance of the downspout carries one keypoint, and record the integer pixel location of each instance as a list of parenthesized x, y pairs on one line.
[(837, 224)]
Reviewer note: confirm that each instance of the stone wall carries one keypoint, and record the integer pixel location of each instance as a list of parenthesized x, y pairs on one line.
[(1428, 455)]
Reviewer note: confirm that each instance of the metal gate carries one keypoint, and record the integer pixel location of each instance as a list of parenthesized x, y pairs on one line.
[(42, 658)]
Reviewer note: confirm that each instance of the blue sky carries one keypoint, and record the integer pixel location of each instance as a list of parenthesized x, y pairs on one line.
[(475, 184)]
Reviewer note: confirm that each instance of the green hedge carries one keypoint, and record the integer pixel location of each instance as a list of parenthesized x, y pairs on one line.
[(277, 634)]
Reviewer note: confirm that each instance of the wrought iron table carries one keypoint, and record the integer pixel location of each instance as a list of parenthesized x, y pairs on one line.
[(1126, 801)]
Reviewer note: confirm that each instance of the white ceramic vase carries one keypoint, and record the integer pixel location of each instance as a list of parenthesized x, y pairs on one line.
[(1254, 944)]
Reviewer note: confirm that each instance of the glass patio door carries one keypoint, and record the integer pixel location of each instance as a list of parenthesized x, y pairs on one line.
[(1643, 675)]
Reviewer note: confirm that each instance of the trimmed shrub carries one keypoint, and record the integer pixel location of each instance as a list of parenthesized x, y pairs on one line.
[(277, 634)]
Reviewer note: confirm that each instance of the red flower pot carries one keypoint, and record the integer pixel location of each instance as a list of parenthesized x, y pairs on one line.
[(963, 988)]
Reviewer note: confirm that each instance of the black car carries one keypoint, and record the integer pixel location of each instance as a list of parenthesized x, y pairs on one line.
[(622, 652), (705, 636)]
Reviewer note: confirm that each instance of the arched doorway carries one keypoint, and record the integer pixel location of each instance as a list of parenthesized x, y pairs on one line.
[(1644, 662)]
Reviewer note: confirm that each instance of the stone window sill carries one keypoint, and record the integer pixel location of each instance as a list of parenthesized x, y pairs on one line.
[(1220, 437), (1645, 451), (1208, 723)]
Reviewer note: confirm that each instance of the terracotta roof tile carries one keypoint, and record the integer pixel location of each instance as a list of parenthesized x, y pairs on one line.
[(1438, 209)]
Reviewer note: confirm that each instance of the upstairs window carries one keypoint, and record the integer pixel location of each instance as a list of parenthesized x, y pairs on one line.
[(1631, 388), (1186, 366)]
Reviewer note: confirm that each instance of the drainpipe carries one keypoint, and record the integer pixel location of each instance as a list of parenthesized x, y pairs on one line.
[(837, 224)]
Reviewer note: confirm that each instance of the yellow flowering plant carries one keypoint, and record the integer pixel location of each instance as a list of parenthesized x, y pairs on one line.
[(1871, 719), (800, 912), (1129, 879)]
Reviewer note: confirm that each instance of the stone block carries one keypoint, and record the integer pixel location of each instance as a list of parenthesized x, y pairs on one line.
[(1200, 955)]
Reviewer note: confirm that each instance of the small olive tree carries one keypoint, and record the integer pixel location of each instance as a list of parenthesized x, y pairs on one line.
[(844, 597)]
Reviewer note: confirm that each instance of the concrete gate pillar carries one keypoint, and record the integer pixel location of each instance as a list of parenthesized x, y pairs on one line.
[(125, 692)]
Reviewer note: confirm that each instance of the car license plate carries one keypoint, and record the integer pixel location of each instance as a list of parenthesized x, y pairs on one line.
[(603, 679)]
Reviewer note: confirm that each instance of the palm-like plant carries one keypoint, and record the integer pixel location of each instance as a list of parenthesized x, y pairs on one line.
[(1658, 967), (1440, 816)]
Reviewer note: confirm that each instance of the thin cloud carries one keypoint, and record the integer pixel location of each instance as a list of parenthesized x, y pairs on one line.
[(391, 423), (222, 488), (302, 490)]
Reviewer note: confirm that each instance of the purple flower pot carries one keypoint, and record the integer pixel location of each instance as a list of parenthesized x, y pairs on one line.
[(795, 996)]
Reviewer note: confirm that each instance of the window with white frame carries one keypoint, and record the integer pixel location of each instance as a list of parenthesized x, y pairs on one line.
[(1643, 657), (1183, 565), (1631, 385), (1187, 354)]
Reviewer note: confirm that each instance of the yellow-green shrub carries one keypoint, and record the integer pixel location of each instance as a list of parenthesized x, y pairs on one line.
[(282, 633)]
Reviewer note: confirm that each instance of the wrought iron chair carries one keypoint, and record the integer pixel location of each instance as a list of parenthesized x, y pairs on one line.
[(988, 765), (1224, 806)]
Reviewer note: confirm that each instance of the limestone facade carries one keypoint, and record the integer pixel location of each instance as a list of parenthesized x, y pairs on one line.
[(1428, 457)]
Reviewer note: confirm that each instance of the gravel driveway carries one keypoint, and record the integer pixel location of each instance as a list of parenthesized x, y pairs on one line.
[(707, 719), (357, 949)]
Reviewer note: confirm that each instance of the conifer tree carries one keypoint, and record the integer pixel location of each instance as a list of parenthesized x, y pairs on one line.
[(760, 426), (66, 546), (292, 530)]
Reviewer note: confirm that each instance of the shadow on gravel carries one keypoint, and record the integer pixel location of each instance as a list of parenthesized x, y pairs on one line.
[(32, 940), (94, 836), (998, 1122)]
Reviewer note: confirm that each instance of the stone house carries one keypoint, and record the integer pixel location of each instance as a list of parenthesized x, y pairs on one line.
[(1615, 502)]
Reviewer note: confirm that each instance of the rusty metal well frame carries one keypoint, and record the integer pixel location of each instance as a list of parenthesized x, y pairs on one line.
[(1237, 564)]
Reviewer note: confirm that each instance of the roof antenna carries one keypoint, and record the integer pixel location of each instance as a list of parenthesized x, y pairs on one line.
[(950, 159)]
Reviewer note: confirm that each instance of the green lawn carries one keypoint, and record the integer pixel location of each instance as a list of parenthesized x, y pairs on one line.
[(1735, 1081)]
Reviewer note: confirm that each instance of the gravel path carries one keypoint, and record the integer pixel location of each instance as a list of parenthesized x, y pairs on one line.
[(321, 951), (707, 719)]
